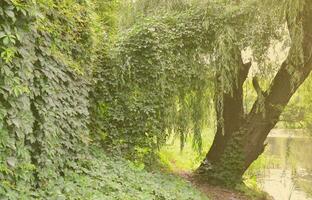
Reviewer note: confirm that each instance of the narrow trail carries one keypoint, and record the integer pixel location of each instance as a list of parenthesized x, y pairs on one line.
[(214, 192)]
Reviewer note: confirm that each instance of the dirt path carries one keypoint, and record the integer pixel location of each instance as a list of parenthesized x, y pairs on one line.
[(214, 192)]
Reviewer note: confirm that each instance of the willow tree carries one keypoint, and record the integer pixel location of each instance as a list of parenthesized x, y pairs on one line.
[(159, 76), (240, 136)]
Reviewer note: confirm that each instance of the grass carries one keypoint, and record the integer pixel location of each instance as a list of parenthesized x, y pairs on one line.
[(186, 159)]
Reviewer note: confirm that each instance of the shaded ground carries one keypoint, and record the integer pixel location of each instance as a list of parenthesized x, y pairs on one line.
[(216, 192)]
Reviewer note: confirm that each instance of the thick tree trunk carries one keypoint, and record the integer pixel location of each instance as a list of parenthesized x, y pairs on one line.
[(240, 140), (231, 116)]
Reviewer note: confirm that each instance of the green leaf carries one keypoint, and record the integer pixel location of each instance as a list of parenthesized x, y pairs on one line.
[(10, 13), (2, 34), (11, 161), (6, 40)]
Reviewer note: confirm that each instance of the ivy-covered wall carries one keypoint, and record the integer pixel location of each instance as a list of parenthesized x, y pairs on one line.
[(43, 91), (48, 51)]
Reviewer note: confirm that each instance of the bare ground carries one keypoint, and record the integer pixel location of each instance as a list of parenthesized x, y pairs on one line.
[(216, 192)]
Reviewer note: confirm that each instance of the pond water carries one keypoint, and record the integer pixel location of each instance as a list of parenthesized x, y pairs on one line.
[(288, 173)]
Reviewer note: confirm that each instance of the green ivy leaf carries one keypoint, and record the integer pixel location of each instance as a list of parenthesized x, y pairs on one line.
[(10, 13), (6, 40), (11, 161)]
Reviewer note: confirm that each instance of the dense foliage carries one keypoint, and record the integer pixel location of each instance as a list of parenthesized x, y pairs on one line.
[(96, 176), (47, 52), (160, 76), (139, 90), (43, 101), (157, 78), (73, 75)]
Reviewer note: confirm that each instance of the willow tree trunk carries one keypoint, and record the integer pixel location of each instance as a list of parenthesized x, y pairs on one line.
[(240, 137)]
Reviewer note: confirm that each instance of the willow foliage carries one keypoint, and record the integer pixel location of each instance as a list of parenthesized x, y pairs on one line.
[(162, 69), (156, 78)]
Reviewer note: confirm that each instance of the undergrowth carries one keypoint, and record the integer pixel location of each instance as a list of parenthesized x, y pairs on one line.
[(188, 158), (98, 176)]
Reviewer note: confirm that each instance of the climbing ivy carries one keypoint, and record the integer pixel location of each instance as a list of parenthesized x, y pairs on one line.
[(158, 76), (140, 87), (60, 80), (44, 100)]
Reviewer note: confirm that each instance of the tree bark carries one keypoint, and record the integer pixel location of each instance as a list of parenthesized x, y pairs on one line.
[(243, 139), (231, 114)]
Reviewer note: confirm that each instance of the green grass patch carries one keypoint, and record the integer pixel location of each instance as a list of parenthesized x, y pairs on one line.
[(187, 159)]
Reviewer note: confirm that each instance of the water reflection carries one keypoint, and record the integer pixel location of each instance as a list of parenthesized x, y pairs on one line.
[(289, 177)]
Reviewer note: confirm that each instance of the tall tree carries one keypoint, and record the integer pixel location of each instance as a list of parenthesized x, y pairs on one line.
[(240, 137), (162, 69)]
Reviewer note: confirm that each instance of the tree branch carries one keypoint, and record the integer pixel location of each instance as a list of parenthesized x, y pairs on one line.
[(257, 87)]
